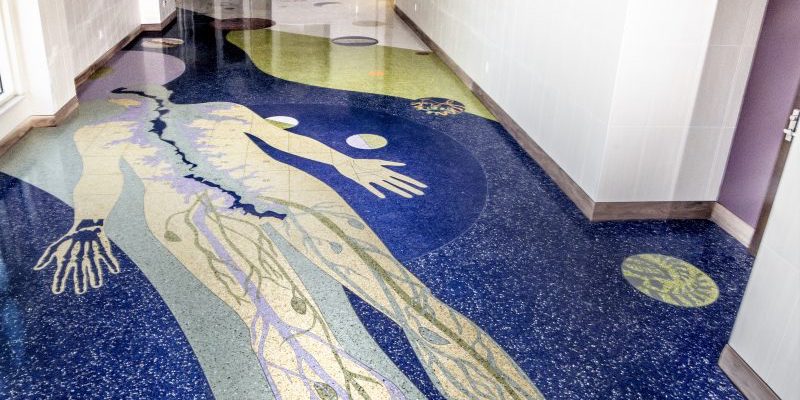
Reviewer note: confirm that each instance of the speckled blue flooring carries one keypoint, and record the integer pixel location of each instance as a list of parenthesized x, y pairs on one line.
[(493, 238)]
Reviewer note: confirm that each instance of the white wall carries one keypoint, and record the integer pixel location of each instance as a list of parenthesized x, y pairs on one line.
[(679, 92), (659, 72), (43, 75), (551, 64), (96, 26), (716, 113), (155, 11), (767, 330), (625, 96), (55, 40)]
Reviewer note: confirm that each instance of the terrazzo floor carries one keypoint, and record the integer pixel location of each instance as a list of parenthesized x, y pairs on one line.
[(296, 200)]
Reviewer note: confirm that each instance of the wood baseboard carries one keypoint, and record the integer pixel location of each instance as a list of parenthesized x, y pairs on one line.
[(38, 121), (163, 25), (749, 383), (622, 211), (594, 211), (732, 224)]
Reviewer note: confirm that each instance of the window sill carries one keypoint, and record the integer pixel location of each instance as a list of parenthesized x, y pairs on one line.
[(9, 102)]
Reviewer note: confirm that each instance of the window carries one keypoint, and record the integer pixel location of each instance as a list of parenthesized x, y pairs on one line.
[(6, 82)]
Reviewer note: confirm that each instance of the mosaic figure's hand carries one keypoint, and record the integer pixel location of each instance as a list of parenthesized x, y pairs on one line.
[(373, 174), (80, 256)]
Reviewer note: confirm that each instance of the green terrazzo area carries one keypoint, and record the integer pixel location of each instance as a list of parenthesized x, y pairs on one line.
[(376, 69)]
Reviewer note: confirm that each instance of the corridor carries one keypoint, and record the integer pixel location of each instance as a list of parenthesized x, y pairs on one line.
[(300, 201)]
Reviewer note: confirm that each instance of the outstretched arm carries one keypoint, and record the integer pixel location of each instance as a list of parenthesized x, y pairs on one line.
[(372, 174), (82, 256)]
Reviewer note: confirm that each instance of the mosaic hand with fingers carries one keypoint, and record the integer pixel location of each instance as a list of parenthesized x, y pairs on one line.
[(81, 257), (374, 175)]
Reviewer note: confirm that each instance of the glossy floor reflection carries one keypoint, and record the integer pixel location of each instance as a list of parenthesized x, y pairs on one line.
[(295, 199)]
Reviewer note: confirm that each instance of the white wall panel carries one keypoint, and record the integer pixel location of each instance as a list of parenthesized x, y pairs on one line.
[(550, 64), (55, 40), (96, 26), (43, 78), (667, 76)]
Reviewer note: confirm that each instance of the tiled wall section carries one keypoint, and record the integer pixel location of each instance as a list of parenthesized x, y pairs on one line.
[(727, 67), (59, 48), (680, 84), (636, 101), (550, 64), (155, 11), (96, 26), (43, 79), (767, 330), (659, 71)]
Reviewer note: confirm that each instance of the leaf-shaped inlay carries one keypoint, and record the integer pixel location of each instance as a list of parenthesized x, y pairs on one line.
[(298, 305), (172, 236), (433, 337), (325, 391), (356, 223), (336, 247)]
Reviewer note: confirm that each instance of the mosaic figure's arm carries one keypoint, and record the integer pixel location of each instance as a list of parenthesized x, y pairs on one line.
[(82, 257), (372, 174)]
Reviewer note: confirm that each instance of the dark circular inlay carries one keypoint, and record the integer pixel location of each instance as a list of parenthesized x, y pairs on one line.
[(355, 41), (241, 24), (438, 106)]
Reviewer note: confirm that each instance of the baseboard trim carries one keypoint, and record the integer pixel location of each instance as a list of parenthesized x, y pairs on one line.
[(732, 224), (746, 380), (38, 121), (163, 25), (594, 211), (623, 211)]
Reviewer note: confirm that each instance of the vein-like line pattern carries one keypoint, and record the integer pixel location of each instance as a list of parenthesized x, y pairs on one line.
[(462, 360), (218, 235), (159, 125)]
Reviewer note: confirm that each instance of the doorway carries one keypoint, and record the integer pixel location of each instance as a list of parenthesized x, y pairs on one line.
[(759, 148)]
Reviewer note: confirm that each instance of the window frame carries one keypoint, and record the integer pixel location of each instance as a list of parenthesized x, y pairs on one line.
[(7, 55)]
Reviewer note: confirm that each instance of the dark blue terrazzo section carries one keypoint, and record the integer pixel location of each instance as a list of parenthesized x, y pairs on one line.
[(530, 270), (119, 342), (457, 186)]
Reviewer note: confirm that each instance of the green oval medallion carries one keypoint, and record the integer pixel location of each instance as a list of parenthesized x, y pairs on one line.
[(670, 280)]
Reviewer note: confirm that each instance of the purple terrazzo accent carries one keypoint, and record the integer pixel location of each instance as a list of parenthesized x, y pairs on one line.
[(133, 68)]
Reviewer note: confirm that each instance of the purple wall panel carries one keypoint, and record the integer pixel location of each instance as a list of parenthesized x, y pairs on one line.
[(768, 100)]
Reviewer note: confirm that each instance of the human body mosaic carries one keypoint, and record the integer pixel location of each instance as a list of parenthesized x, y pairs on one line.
[(208, 189), (329, 235)]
